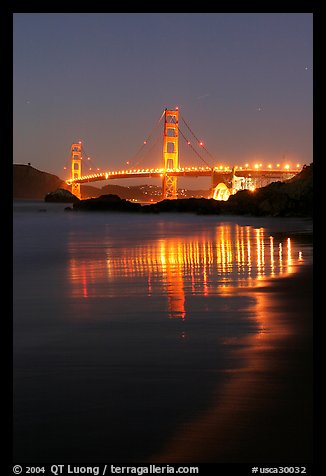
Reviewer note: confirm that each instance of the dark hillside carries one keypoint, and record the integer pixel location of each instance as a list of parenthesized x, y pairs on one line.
[(29, 182)]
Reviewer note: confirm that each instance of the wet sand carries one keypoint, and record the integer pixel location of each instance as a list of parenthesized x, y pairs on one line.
[(151, 348), (264, 412)]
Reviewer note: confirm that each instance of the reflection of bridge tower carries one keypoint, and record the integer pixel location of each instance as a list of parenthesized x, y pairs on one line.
[(175, 292), (170, 153), (76, 157), (172, 260)]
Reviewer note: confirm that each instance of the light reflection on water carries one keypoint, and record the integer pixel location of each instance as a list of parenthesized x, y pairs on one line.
[(203, 264), (154, 337)]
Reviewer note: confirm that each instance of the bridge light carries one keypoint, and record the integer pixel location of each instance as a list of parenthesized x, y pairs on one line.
[(246, 165), (88, 158), (201, 143), (298, 165), (277, 165), (145, 142), (286, 166), (188, 142), (269, 166), (256, 166)]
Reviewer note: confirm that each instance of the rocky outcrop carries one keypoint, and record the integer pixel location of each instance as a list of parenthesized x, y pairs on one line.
[(61, 196), (108, 202), (292, 197), (201, 206)]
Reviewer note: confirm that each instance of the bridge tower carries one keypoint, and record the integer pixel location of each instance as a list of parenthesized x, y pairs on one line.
[(170, 153), (76, 158)]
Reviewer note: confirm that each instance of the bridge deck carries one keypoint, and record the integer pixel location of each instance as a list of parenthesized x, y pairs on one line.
[(277, 174)]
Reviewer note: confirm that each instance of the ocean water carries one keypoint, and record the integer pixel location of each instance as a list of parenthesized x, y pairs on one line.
[(135, 336)]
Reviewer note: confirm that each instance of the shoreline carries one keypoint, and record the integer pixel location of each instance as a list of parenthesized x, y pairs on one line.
[(230, 406), (275, 388)]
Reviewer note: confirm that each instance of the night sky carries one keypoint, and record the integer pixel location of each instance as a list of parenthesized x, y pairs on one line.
[(242, 81)]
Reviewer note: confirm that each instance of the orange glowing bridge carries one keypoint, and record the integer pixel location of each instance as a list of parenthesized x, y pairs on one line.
[(224, 180)]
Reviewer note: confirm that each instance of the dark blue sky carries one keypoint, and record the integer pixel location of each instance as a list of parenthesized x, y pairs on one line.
[(243, 82)]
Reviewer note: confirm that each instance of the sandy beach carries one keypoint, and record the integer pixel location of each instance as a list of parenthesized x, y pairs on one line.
[(264, 414), (189, 341)]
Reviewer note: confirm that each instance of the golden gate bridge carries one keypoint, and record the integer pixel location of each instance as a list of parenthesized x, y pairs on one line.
[(224, 180)]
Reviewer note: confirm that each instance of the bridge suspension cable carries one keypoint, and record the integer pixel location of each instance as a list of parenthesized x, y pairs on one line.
[(148, 150), (192, 147), (199, 142), (87, 157), (145, 142)]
